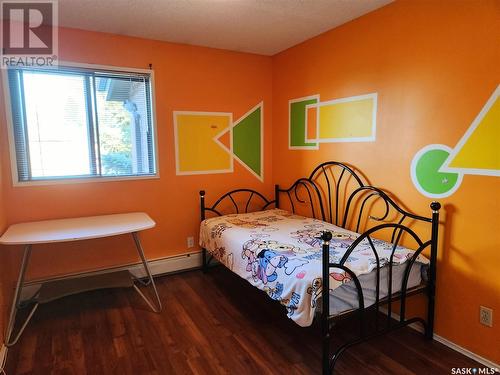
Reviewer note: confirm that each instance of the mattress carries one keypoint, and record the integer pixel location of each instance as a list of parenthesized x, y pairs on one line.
[(279, 252), (345, 297)]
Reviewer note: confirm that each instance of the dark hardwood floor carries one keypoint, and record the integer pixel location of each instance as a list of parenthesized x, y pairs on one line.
[(212, 323)]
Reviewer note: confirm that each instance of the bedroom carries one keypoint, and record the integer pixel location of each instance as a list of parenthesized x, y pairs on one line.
[(248, 94)]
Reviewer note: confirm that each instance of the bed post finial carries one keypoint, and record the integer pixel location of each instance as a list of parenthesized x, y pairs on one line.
[(326, 236), (435, 206), (431, 294)]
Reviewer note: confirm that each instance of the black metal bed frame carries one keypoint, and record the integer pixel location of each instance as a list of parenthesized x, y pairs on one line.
[(321, 195)]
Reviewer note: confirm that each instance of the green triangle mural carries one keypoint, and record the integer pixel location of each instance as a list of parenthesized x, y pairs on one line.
[(247, 140)]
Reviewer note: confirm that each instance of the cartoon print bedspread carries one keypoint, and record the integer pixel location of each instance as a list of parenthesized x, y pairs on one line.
[(278, 252)]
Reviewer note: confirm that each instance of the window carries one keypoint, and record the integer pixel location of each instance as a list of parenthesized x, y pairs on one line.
[(75, 122)]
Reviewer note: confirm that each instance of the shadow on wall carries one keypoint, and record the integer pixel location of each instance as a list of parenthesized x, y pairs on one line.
[(464, 269), (446, 232)]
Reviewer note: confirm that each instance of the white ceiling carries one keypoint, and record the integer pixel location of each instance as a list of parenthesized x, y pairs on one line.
[(258, 26)]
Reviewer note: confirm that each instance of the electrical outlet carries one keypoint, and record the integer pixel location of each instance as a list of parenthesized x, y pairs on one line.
[(190, 242), (486, 316)]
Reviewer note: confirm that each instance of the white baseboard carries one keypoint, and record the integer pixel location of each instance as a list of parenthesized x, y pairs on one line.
[(160, 266), (467, 353), (451, 345)]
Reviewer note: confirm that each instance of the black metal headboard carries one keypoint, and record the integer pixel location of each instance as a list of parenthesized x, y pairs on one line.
[(235, 201), (322, 191), (335, 192)]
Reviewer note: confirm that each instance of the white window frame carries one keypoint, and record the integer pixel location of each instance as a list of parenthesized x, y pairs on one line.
[(79, 180)]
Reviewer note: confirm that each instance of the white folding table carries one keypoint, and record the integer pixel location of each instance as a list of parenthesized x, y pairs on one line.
[(76, 229)]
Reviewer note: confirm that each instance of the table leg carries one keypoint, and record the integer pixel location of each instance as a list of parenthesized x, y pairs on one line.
[(15, 302), (138, 245)]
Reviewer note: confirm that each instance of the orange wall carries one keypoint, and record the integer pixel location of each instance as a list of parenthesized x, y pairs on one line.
[(186, 78), (434, 64)]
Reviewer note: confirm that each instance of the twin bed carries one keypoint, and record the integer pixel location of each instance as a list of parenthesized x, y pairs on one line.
[(327, 247)]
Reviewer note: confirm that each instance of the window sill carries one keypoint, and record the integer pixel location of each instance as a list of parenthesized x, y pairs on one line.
[(83, 180)]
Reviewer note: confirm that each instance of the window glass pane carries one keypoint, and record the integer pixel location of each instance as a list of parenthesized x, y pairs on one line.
[(123, 123), (56, 121)]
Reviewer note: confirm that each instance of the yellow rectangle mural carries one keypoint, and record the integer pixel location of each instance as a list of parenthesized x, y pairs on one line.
[(349, 119), (198, 149), (352, 119)]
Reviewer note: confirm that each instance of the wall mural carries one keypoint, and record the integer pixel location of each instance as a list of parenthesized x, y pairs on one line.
[(209, 142), (437, 170), (311, 122)]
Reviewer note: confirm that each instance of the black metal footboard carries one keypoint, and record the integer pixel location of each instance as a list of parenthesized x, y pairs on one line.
[(327, 320)]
